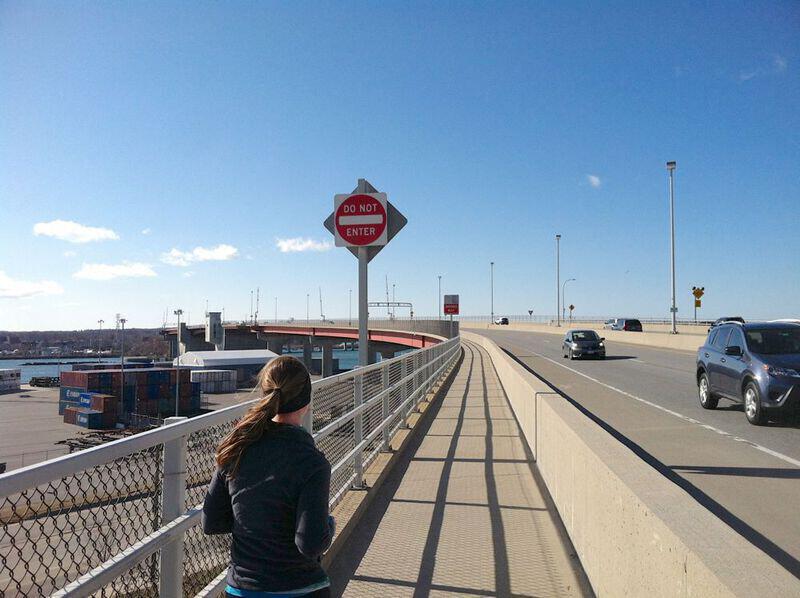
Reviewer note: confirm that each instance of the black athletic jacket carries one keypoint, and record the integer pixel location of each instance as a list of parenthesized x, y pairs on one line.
[(277, 509)]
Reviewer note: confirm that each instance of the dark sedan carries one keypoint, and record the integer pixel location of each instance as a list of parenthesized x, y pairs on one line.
[(583, 343)]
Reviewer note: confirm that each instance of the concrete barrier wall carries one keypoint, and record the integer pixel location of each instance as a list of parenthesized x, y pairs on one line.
[(686, 340), (636, 533)]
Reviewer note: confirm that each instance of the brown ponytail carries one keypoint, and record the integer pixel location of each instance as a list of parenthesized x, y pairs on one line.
[(281, 381)]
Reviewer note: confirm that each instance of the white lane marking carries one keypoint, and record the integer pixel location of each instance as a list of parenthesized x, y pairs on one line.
[(764, 449)]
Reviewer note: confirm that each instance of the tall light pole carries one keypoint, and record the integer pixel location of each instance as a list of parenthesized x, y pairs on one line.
[(564, 299), (439, 299), (674, 309), (393, 312), (308, 319), (122, 358), (491, 292), (179, 313), (558, 280), (100, 340)]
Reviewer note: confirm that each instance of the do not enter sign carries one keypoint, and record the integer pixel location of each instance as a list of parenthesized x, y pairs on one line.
[(360, 220)]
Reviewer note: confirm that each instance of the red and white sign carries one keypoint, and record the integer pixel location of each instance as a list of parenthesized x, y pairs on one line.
[(359, 219), (451, 305)]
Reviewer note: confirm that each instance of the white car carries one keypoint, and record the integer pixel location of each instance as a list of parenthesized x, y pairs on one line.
[(501, 321)]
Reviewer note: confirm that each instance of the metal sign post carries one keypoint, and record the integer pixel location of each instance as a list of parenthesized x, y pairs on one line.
[(698, 292), (364, 221)]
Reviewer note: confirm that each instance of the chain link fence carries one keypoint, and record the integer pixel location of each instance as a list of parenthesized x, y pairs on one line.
[(93, 522), (56, 531)]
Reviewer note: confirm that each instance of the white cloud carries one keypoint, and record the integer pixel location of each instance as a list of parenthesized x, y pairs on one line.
[(146, 231), (188, 274), (70, 253), (111, 271), (594, 180), (15, 289), (66, 230), (297, 244), (220, 253), (747, 75), (777, 65)]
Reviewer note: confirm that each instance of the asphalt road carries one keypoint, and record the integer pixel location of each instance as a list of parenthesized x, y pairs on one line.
[(747, 475)]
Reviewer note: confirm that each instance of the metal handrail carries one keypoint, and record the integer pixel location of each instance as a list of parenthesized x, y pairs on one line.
[(169, 537), (39, 473)]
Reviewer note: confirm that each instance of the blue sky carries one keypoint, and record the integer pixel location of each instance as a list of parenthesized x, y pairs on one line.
[(492, 126)]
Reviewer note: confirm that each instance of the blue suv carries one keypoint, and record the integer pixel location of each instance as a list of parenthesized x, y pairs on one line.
[(757, 364)]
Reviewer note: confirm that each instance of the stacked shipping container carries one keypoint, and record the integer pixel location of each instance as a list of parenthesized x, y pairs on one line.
[(215, 381), (10, 380), (147, 391), (129, 365)]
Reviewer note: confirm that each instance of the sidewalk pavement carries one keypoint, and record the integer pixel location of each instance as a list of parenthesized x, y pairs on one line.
[(464, 512)]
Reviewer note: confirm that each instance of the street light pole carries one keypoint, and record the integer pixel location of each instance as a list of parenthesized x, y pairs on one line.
[(564, 299), (491, 285), (122, 358), (179, 313), (439, 299), (558, 280), (674, 309), (100, 341)]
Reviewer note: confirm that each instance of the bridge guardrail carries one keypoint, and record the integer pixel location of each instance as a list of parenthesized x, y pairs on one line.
[(121, 518)]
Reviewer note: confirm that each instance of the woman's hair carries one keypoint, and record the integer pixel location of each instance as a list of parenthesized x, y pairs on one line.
[(283, 382)]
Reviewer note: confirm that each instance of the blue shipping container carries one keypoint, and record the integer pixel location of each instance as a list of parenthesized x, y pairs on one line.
[(68, 393), (90, 419), (62, 405)]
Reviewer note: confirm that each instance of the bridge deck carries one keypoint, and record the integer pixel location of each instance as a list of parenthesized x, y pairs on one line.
[(464, 512)]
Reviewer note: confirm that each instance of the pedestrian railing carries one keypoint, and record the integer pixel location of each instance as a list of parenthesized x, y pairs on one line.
[(121, 518)]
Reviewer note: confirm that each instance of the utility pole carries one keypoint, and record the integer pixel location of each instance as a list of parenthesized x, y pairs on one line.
[(179, 312), (251, 307), (558, 280), (439, 298), (121, 322), (491, 285), (258, 300), (388, 309), (100, 341), (674, 309)]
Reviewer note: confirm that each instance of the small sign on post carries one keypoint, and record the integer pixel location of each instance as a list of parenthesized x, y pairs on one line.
[(698, 292), (451, 305), (451, 309)]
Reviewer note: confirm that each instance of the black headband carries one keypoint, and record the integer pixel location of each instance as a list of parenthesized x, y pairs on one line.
[(300, 400)]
